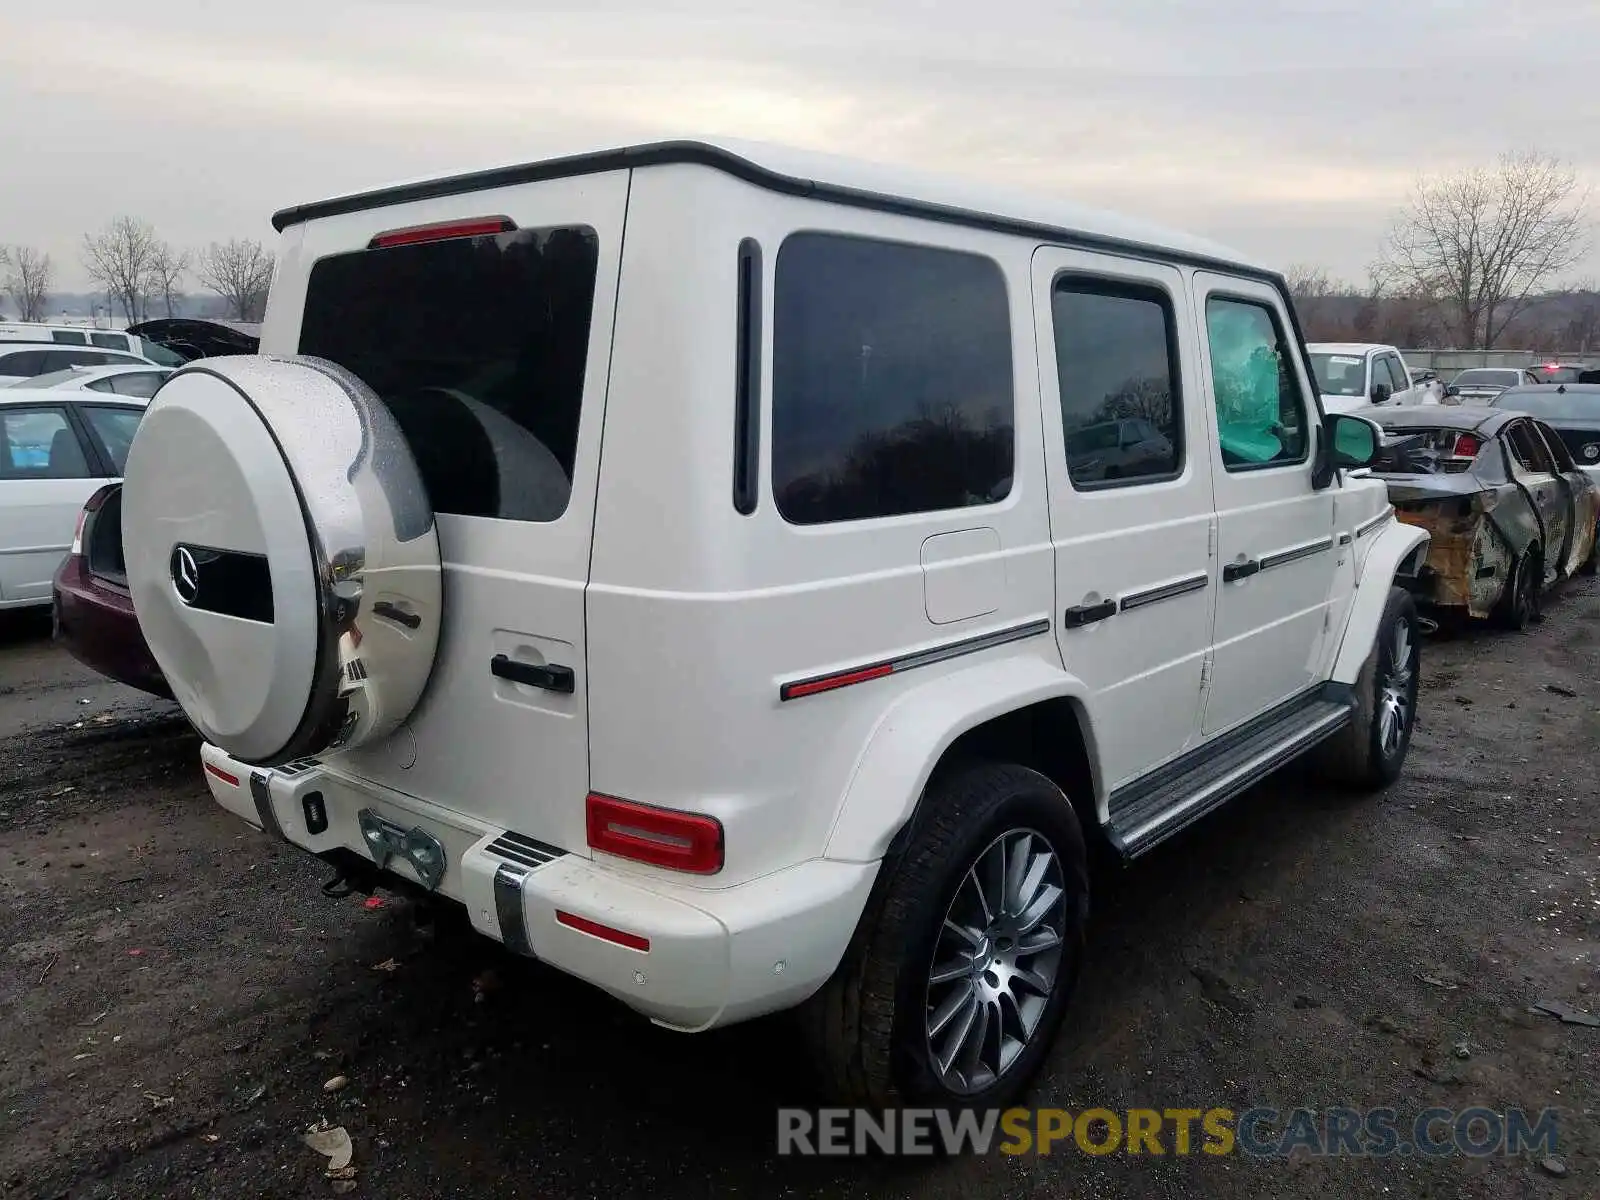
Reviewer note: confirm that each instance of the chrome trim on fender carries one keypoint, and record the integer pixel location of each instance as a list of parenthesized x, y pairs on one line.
[(1295, 554), (508, 881), (1367, 527), (1181, 587), (847, 676)]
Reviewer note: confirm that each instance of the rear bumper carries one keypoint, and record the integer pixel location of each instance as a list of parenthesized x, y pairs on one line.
[(96, 623), (714, 957)]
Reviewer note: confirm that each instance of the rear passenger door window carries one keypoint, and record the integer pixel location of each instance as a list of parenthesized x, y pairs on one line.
[(1261, 414), (892, 386), (1117, 364), (40, 443)]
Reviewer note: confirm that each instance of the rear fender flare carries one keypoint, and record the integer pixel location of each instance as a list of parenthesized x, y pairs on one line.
[(914, 733), (1394, 545)]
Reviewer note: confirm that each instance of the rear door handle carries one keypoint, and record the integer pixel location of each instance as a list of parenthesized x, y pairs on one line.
[(552, 677), (384, 608), (1087, 614), (1244, 570)]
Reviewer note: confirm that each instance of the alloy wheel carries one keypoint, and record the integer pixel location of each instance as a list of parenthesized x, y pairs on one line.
[(1396, 691), (996, 961)]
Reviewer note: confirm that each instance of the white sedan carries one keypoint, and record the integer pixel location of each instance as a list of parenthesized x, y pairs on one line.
[(139, 382), (56, 447)]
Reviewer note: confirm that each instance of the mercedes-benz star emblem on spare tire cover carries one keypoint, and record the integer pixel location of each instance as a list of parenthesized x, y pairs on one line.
[(185, 574), (282, 556)]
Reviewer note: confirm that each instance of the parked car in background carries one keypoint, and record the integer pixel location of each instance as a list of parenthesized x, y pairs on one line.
[(127, 341), (1479, 385), (56, 449), (1558, 372), (190, 337), (23, 361), (123, 380), (1427, 385), (1572, 410), (1352, 375), (93, 613), (1508, 510)]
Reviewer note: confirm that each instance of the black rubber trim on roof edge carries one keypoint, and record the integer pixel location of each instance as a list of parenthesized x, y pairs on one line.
[(703, 154)]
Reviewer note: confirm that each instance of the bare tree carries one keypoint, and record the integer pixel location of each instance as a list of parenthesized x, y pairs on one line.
[(1308, 282), (122, 260), (27, 279), (1483, 241), (168, 266), (240, 271)]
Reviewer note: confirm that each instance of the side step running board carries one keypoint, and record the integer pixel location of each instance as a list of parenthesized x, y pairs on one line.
[(1147, 812)]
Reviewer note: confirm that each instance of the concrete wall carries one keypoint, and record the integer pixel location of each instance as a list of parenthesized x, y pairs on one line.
[(1449, 361)]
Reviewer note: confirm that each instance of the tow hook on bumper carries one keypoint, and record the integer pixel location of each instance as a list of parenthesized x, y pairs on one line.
[(422, 850)]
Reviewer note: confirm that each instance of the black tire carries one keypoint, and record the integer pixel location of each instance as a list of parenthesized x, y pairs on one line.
[(1361, 756), (1519, 603), (868, 1025)]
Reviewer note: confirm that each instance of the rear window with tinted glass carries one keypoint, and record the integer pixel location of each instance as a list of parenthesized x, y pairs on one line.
[(891, 380), (478, 345)]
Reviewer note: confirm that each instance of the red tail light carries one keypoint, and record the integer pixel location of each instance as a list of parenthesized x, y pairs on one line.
[(440, 230), (1466, 446), (681, 841), (77, 534)]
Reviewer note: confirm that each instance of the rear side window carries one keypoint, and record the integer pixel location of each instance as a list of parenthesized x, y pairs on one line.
[(109, 341), (68, 337), (479, 346), (114, 427), (1116, 355), (891, 380), (27, 363), (39, 443)]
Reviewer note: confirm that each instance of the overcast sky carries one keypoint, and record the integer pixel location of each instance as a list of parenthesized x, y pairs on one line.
[(1289, 128)]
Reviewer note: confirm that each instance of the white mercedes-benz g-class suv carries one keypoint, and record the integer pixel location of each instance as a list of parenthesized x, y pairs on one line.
[(697, 562)]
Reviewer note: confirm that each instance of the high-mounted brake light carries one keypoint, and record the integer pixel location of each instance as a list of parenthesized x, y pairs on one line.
[(442, 230), (659, 836)]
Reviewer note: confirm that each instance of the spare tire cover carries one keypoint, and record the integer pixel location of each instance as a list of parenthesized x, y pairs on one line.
[(282, 556)]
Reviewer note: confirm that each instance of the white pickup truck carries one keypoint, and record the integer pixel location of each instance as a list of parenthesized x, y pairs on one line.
[(1352, 375)]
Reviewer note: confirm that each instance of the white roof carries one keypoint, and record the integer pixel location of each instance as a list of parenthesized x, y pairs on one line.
[(968, 195), (1345, 347)]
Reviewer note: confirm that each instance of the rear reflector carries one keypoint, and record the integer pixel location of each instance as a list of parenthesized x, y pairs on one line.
[(230, 780), (659, 836), (594, 929), (810, 687), (441, 230)]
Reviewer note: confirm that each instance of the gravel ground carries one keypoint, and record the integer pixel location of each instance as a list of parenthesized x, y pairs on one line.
[(176, 990)]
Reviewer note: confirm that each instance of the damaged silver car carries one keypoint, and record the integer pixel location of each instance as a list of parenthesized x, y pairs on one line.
[(1509, 511)]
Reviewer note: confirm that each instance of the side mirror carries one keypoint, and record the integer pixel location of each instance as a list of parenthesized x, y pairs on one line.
[(1452, 390), (1355, 440), (1381, 393)]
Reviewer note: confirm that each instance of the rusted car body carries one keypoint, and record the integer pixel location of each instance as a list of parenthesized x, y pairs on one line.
[(1509, 511)]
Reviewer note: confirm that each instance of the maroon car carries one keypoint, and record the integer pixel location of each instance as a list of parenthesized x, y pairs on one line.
[(94, 616)]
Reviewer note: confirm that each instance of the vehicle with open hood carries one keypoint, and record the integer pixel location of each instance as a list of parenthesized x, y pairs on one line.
[(748, 581), (1508, 511)]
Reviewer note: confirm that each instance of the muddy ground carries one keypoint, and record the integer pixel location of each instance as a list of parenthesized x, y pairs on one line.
[(175, 991)]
